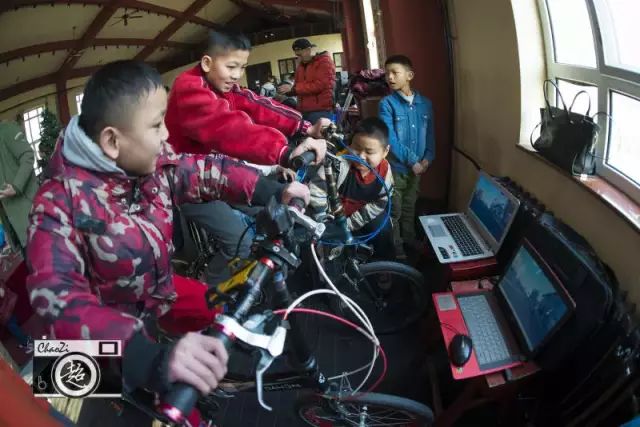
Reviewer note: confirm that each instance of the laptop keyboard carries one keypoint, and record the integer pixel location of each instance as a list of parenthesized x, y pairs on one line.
[(461, 235), (488, 342)]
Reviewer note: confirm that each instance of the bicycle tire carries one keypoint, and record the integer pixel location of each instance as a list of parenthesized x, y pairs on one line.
[(328, 410), (406, 300)]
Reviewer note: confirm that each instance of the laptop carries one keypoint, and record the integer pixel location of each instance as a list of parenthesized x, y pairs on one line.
[(477, 233), (510, 323)]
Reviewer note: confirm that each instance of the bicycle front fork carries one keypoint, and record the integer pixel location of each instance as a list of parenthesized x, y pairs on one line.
[(301, 356)]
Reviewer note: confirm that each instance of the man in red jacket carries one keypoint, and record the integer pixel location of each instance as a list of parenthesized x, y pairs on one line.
[(208, 112), (314, 82)]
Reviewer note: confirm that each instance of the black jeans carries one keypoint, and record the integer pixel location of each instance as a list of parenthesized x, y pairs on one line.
[(226, 225)]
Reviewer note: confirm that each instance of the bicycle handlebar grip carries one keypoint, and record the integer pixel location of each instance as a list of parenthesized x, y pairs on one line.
[(298, 203), (303, 159), (182, 398)]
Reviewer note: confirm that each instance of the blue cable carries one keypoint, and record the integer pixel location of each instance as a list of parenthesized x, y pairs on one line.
[(301, 174), (366, 237)]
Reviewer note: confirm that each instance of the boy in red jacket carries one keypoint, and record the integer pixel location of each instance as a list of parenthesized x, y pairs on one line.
[(99, 241), (208, 111)]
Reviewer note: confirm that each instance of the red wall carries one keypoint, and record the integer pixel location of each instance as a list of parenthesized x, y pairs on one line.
[(416, 28), (353, 37)]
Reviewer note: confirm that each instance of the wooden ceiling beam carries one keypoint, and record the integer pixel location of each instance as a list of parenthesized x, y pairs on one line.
[(171, 29), (39, 49), (53, 78), (307, 5), (8, 5), (98, 23)]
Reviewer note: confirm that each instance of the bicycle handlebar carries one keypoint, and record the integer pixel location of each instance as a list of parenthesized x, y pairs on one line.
[(304, 159), (181, 399), (178, 403)]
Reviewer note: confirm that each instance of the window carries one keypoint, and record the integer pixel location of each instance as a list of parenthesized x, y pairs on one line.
[(592, 45), (623, 151), (582, 103), (620, 40), (572, 32), (287, 66), (337, 59), (31, 120), (79, 102)]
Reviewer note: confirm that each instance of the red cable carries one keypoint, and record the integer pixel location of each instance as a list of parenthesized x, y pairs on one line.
[(348, 323)]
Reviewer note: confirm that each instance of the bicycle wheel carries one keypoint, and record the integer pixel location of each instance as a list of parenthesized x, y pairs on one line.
[(374, 409), (399, 295)]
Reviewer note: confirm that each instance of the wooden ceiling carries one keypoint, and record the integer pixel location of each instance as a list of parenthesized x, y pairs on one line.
[(44, 42)]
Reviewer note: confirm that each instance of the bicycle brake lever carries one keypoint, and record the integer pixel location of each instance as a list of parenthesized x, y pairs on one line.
[(264, 363), (271, 346), (317, 228)]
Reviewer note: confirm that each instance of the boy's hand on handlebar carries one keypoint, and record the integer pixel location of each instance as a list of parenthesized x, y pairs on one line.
[(198, 360), (319, 146), (285, 174), (315, 131), (295, 190)]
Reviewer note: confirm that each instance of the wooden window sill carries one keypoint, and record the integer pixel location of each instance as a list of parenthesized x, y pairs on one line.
[(622, 204)]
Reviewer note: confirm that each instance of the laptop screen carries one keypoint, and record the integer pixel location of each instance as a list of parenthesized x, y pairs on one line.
[(537, 301), (492, 207)]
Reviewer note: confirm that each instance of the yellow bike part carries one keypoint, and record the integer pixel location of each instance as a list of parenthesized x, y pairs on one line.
[(235, 281)]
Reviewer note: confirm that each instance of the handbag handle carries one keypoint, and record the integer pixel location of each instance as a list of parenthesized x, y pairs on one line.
[(576, 97), (546, 96)]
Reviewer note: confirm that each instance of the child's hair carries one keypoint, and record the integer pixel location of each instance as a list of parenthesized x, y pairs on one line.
[(374, 128), (225, 41), (113, 91), (399, 59)]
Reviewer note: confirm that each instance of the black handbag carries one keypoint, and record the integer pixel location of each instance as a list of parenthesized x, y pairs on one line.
[(567, 139)]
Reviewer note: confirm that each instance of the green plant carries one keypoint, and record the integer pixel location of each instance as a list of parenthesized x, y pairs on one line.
[(49, 131)]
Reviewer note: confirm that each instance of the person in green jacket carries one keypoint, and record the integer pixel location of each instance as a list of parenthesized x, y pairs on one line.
[(18, 183)]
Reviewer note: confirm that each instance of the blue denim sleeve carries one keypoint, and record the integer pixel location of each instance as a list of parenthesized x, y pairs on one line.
[(430, 148), (400, 151)]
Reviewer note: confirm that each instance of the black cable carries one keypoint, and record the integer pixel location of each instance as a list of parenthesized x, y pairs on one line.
[(468, 157), (240, 240)]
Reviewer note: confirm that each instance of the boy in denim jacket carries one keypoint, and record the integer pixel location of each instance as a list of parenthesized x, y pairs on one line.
[(409, 117)]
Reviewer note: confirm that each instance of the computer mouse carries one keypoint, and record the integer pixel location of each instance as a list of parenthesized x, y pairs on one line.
[(460, 349)]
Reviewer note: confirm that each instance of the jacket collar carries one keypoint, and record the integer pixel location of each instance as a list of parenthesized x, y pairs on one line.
[(60, 169), (417, 98)]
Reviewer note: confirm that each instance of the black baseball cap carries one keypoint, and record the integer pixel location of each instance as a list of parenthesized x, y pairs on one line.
[(302, 44)]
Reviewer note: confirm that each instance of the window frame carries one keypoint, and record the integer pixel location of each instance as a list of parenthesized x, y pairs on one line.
[(341, 56), (35, 144), (285, 61), (606, 78), (79, 101)]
